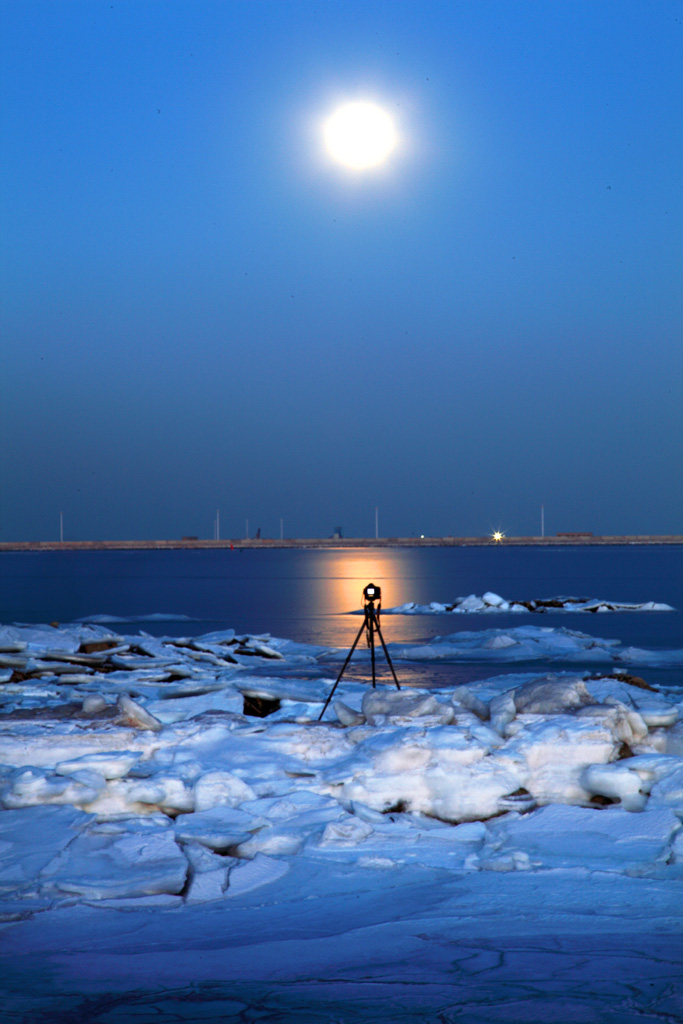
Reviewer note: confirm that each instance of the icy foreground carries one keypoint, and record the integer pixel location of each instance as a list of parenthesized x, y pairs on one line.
[(133, 781), (490, 602)]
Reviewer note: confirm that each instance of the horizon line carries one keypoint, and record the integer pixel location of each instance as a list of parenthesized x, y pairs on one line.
[(235, 543)]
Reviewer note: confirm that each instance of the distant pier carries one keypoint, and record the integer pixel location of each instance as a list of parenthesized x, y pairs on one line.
[(336, 543)]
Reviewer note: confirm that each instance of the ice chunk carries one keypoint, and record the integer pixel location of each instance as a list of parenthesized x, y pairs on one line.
[(252, 874), (298, 804), (610, 688), (207, 886), (452, 780), (653, 708), (30, 786), (168, 710), (673, 740), (499, 643), (546, 697), (625, 723), (661, 741), (31, 837), (502, 710), (265, 650), (656, 713), (668, 790), (608, 839), (110, 764), (100, 865), (404, 704), (93, 704), (137, 715), (168, 792), (208, 872), (346, 715), (471, 604), (307, 690), (557, 750), (119, 798), (463, 696), (220, 788), (616, 782), (276, 840), (219, 828), (348, 833)]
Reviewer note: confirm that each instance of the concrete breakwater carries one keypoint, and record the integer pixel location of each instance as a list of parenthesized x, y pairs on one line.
[(585, 540)]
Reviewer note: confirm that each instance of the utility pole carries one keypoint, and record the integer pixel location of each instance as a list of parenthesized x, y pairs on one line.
[(542, 521), (61, 527), (218, 524), (376, 523), (247, 531), (282, 529)]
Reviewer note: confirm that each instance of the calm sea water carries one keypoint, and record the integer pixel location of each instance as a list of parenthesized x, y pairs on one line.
[(307, 595)]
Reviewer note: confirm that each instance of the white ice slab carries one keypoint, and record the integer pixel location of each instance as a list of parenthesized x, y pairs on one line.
[(30, 839), (600, 839), (102, 865)]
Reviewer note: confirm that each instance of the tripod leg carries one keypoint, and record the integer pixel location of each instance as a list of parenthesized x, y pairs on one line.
[(373, 625), (386, 652), (348, 659)]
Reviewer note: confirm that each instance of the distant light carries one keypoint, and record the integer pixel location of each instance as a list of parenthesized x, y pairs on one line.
[(360, 135), (498, 536), (422, 536)]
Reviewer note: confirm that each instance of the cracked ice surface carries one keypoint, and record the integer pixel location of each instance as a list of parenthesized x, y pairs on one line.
[(558, 797)]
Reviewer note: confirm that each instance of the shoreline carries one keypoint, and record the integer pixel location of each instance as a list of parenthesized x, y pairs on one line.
[(336, 543)]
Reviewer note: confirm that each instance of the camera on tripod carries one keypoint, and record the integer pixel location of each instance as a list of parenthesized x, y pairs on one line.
[(371, 594)]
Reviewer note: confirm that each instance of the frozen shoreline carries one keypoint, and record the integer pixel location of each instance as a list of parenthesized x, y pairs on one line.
[(495, 850)]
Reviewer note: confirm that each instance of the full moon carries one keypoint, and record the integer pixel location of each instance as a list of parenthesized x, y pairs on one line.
[(360, 135)]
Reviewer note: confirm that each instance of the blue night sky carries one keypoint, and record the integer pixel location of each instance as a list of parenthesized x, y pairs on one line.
[(202, 311)]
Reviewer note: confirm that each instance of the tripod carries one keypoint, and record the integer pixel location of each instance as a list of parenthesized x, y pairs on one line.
[(370, 623)]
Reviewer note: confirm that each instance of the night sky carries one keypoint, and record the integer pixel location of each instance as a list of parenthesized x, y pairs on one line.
[(202, 311)]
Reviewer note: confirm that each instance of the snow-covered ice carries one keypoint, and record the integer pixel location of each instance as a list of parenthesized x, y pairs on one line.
[(490, 602), (533, 643), (132, 781)]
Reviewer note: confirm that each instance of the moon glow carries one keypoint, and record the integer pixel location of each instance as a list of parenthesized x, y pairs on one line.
[(360, 135)]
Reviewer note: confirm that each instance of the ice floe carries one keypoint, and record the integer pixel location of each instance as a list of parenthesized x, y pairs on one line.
[(533, 643), (490, 602), (136, 769)]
